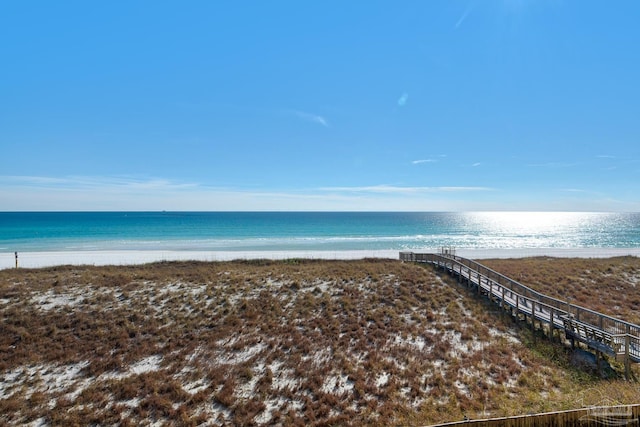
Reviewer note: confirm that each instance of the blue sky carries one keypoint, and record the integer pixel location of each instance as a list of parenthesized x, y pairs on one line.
[(333, 105)]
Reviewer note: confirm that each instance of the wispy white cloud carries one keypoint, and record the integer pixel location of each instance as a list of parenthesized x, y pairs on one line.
[(574, 190), (463, 17), (475, 165), (90, 182), (391, 189), (122, 193), (314, 118), (432, 159), (605, 156), (402, 101), (558, 165), (134, 193)]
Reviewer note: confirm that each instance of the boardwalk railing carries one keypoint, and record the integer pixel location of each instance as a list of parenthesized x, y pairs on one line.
[(603, 333), (620, 415)]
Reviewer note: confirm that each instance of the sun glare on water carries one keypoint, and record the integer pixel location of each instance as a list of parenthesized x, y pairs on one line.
[(533, 229), (529, 222)]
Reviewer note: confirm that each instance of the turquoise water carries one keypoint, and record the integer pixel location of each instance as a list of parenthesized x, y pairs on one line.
[(314, 231)]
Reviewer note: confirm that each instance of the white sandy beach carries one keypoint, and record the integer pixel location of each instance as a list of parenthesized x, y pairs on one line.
[(124, 257)]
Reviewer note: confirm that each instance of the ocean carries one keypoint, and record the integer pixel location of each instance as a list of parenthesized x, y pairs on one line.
[(313, 231)]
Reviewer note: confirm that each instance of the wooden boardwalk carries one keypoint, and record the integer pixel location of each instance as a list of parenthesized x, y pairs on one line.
[(599, 332)]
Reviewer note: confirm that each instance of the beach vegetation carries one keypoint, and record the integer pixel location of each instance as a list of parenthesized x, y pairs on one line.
[(297, 342)]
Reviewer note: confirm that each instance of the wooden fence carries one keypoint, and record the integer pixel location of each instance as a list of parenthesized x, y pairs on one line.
[(622, 415)]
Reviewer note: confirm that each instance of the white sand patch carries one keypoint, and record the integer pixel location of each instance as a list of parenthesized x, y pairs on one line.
[(271, 405), (511, 382), (337, 384), (148, 364), (633, 279), (9, 381), (241, 356), (246, 390), (465, 311), (158, 296), (60, 378), (462, 388), (455, 339), (382, 379), (190, 358), (132, 403), (194, 387), (296, 405), (323, 286), (40, 378), (50, 300), (475, 345), (283, 378), (509, 336), (218, 413), (181, 288), (440, 365), (39, 422), (419, 343), (519, 361), (319, 358)]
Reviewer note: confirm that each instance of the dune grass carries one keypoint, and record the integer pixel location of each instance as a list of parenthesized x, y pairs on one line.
[(607, 285), (295, 342)]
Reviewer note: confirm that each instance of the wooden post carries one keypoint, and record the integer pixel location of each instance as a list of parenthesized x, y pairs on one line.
[(16, 254), (533, 315), (551, 325), (627, 361)]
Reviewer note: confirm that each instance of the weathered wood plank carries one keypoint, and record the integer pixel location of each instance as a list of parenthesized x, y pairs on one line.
[(598, 331)]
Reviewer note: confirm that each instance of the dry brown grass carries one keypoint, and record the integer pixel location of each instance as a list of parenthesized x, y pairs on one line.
[(608, 285), (371, 342)]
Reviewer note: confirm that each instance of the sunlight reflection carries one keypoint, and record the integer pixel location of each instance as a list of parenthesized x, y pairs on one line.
[(532, 229), (529, 222)]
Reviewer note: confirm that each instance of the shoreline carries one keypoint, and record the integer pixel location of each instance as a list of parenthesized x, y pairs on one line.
[(133, 257)]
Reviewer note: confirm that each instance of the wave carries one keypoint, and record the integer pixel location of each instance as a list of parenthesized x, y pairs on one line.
[(398, 242)]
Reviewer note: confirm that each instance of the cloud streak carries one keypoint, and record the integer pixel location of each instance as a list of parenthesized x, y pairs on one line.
[(463, 17), (391, 189), (41, 193), (313, 118), (94, 182), (123, 193), (553, 165)]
